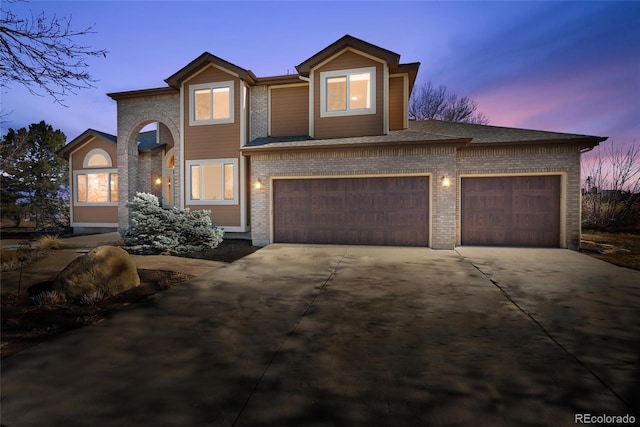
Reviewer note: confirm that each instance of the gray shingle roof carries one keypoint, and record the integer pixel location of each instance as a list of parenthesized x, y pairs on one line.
[(105, 135), (399, 136), (147, 141), (492, 134), (428, 131)]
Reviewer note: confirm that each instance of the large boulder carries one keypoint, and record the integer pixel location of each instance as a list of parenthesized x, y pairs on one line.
[(108, 269)]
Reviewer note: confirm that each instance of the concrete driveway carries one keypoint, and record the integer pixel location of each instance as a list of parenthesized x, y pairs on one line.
[(334, 335)]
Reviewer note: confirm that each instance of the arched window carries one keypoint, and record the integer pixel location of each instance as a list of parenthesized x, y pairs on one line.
[(97, 158), (99, 185)]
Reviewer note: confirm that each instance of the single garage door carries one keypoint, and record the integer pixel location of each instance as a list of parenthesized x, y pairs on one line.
[(391, 211), (511, 211)]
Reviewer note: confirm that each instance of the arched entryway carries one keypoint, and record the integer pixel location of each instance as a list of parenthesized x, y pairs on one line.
[(134, 113)]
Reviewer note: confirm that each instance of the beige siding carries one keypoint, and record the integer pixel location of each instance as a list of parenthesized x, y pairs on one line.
[(92, 214), (216, 141), (212, 141), (333, 127), (95, 214), (396, 103), (221, 215), (79, 155), (290, 111)]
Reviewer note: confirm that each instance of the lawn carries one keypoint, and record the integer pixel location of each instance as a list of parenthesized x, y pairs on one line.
[(617, 248)]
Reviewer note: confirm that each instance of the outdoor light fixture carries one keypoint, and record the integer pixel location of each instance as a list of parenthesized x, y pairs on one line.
[(157, 181), (258, 184), (445, 181)]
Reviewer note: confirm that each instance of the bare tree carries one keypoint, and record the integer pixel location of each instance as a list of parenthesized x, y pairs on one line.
[(434, 103), (611, 196), (43, 54)]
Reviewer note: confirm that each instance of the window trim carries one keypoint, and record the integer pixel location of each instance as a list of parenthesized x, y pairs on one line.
[(324, 75), (92, 152), (192, 101), (222, 162), (109, 172)]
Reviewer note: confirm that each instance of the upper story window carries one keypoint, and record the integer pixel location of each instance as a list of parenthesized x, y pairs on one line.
[(211, 103), (348, 92)]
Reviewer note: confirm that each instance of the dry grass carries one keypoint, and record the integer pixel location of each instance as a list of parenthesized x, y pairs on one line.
[(11, 259), (49, 241), (617, 248)]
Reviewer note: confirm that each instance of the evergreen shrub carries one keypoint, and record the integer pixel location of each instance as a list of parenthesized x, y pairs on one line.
[(175, 231)]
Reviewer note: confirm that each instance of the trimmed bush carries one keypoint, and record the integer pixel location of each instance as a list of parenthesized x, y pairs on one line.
[(175, 231)]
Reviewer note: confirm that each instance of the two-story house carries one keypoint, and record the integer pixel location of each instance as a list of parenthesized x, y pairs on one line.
[(328, 155)]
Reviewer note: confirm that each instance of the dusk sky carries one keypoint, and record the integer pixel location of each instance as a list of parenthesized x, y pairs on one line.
[(561, 66)]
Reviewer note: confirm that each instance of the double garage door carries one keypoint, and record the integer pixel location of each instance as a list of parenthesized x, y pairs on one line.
[(391, 211), (394, 211)]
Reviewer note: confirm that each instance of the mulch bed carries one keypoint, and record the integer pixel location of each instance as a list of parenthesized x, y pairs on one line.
[(25, 324)]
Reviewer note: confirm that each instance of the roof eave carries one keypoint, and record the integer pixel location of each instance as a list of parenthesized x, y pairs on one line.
[(582, 141), (275, 147), (142, 92), (279, 80), (65, 151)]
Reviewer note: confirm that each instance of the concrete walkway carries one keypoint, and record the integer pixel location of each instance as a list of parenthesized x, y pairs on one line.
[(333, 335)]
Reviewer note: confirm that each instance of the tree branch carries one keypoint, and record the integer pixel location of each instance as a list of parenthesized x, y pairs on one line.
[(43, 56)]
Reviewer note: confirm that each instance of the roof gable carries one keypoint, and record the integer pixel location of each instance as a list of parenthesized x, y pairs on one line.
[(204, 60), (343, 43), (83, 138)]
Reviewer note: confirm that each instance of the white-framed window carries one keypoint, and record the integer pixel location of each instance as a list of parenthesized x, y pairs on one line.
[(348, 92), (96, 187), (212, 182), (97, 158), (211, 103)]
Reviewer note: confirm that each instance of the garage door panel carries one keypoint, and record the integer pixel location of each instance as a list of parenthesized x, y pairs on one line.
[(511, 211), (288, 234), (376, 211)]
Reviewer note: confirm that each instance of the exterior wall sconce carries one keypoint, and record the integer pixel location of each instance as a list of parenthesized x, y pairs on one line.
[(445, 181), (157, 181), (258, 184)]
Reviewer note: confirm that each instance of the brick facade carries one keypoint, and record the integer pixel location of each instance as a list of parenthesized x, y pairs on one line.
[(561, 159), (133, 114), (258, 112), (436, 161), (150, 168)]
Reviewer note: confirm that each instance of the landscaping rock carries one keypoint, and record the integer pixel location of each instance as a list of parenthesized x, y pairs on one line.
[(109, 269)]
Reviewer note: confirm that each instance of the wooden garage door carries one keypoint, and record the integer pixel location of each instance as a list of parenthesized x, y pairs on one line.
[(511, 211), (359, 211)]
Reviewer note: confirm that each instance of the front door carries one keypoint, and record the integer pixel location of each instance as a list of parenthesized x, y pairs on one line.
[(168, 179)]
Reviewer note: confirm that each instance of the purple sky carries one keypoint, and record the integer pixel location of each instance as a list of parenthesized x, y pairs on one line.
[(561, 66)]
